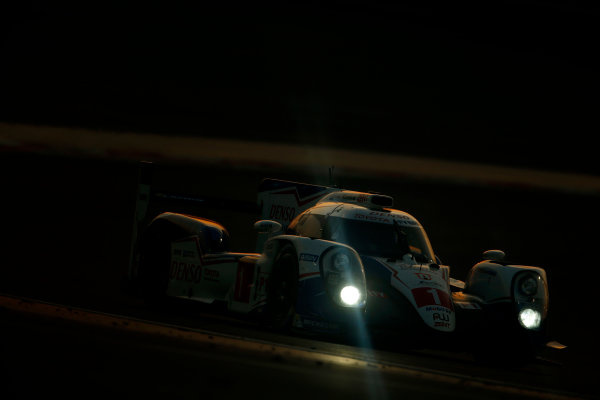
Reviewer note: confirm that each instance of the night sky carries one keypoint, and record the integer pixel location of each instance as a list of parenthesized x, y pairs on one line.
[(512, 83)]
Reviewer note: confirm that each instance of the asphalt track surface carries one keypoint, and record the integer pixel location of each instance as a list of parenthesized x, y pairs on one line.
[(68, 223)]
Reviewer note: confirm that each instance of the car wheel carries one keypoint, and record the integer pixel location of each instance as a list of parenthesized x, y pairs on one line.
[(154, 262), (282, 290)]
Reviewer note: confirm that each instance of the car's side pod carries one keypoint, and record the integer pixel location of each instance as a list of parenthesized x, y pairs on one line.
[(155, 248)]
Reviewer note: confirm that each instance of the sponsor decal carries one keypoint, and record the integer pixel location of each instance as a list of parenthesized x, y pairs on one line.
[(316, 324), (388, 215), (423, 276), (441, 317), (282, 213), (243, 282), (375, 293), (437, 309), (376, 216), (309, 257), (366, 217), (186, 272), (428, 296), (211, 275)]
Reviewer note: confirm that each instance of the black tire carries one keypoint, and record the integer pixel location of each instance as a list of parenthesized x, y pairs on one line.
[(154, 262), (282, 290)]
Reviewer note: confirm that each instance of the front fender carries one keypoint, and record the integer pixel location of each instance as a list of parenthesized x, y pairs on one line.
[(316, 298), (496, 283), (492, 281), (309, 252)]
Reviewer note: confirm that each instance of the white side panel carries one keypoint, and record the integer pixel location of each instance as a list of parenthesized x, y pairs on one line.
[(185, 272), (248, 284), (218, 275), (197, 277)]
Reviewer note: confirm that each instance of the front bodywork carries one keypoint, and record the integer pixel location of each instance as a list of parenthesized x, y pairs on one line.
[(401, 297)]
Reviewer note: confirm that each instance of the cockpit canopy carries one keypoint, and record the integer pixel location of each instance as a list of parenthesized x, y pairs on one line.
[(386, 233)]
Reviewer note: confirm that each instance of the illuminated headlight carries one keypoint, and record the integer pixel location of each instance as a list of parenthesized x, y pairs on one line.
[(530, 296), (530, 318), (350, 295), (343, 276)]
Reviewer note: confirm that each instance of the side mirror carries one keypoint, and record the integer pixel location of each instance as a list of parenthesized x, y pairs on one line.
[(493, 255), (267, 226)]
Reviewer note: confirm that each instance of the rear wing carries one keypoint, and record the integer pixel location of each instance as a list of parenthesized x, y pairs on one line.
[(281, 201)]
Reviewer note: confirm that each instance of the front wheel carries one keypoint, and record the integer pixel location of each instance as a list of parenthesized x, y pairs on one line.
[(282, 290)]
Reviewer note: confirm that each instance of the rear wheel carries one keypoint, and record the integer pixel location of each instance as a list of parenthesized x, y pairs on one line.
[(154, 261), (282, 290)]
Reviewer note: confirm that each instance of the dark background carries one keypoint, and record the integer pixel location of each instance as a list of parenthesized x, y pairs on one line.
[(504, 82), (509, 83)]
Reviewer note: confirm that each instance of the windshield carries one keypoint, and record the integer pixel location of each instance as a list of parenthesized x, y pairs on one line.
[(379, 239)]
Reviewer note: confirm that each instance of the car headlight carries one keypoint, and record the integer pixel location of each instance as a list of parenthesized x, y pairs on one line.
[(344, 277), (531, 299), (341, 262), (528, 285), (530, 318), (350, 295)]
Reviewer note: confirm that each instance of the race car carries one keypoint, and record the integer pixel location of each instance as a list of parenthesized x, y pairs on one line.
[(336, 261)]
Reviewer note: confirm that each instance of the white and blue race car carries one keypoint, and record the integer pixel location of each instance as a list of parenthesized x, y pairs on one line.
[(334, 261)]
